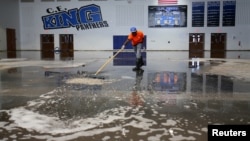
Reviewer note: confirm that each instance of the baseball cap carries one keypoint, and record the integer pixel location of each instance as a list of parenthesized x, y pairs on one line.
[(133, 29)]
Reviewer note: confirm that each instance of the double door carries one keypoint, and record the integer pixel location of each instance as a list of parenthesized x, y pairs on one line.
[(66, 46), (65, 50), (47, 46), (218, 45), (196, 45)]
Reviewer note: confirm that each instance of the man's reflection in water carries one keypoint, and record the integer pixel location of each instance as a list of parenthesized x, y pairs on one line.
[(136, 98)]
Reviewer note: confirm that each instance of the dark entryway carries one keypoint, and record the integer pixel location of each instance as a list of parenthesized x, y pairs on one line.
[(47, 46), (66, 46), (196, 45), (11, 43), (218, 45)]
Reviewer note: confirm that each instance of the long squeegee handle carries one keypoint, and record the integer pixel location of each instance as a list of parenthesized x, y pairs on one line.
[(110, 59)]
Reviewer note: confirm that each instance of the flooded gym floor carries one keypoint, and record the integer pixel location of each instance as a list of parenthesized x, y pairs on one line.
[(168, 100)]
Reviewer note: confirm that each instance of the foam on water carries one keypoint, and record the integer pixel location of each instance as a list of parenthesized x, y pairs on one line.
[(45, 124), (34, 121), (87, 81), (127, 77), (112, 120)]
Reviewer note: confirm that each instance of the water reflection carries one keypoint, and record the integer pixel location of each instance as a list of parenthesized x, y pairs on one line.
[(136, 98), (217, 85), (170, 82), (141, 105)]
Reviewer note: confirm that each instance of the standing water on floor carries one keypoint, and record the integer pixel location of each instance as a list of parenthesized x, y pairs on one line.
[(146, 105)]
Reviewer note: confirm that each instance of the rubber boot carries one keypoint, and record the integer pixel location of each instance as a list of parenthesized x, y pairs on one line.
[(137, 67), (141, 61)]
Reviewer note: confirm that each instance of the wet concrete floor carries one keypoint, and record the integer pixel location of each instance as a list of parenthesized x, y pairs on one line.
[(58, 100)]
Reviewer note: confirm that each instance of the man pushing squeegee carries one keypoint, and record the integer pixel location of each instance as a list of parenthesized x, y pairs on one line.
[(136, 37)]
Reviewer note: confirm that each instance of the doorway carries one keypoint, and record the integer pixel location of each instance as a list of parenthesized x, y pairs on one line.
[(47, 46), (218, 45), (11, 42), (196, 45), (66, 46)]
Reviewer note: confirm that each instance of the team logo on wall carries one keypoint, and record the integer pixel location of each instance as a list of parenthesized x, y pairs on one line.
[(84, 18)]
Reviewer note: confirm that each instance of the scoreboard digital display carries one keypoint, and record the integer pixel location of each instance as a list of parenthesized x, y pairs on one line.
[(167, 16)]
